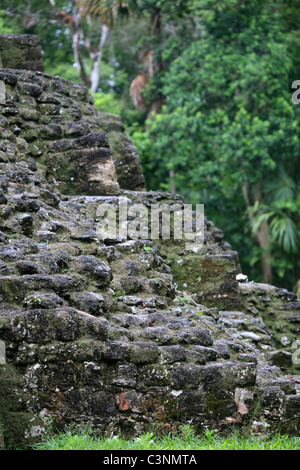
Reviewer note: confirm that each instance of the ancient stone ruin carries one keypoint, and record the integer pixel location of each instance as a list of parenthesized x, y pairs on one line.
[(119, 334)]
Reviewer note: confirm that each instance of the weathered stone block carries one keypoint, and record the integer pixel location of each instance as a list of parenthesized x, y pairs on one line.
[(141, 353), (116, 351), (186, 377), (191, 404), (19, 429), (93, 327), (127, 161), (210, 354), (90, 302), (95, 267), (125, 375), (21, 51), (3, 199), (293, 406), (58, 324), (170, 354), (32, 89), (12, 289), (59, 283), (49, 197), (42, 300), (44, 236), (103, 405), (227, 375), (272, 399)]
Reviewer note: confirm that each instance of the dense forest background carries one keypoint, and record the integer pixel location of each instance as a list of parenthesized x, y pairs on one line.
[(205, 91)]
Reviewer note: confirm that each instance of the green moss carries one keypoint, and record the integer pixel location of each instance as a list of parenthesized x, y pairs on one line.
[(155, 375), (214, 404), (12, 290)]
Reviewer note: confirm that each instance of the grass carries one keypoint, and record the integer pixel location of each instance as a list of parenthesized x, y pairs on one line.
[(186, 440)]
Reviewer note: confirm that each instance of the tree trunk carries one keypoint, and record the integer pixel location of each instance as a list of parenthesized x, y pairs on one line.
[(79, 59), (157, 104), (95, 75), (76, 47), (263, 240), (172, 181), (75, 27), (262, 235)]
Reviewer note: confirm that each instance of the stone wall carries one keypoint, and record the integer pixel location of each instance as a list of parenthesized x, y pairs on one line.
[(126, 158), (55, 123), (98, 332), (79, 150)]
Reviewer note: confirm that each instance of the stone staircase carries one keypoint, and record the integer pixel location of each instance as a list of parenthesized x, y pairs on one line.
[(103, 334)]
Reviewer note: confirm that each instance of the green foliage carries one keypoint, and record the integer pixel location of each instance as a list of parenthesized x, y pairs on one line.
[(64, 70), (4, 27), (281, 210), (228, 121), (106, 102)]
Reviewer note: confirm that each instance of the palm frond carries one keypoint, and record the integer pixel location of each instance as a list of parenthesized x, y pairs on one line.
[(281, 187), (107, 10), (258, 218), (282, 228)]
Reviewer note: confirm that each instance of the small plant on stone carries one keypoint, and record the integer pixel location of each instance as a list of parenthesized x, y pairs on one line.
[(200, 313), (184, 298), (187, 300), (117, 294)]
